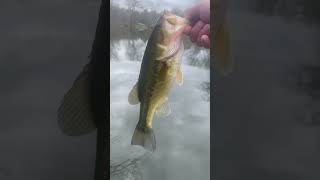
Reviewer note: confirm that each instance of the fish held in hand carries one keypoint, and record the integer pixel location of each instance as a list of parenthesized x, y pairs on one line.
[(160, 69)]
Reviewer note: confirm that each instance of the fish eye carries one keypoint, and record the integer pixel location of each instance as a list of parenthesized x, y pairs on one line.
[(172, 20)]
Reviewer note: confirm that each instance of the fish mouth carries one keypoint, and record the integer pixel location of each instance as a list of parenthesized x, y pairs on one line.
[(174, 19), (174, 27)]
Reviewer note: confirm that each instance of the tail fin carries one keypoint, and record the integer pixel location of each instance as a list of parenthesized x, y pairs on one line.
[(223, 50), (144, 137)]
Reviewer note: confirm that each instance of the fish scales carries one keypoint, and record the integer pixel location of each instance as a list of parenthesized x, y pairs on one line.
[(159, 68)]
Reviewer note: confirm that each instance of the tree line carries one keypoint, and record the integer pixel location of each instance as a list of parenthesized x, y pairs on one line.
[(123, 20)]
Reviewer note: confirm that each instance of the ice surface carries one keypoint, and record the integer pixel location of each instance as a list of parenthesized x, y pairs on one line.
[(183, 137)]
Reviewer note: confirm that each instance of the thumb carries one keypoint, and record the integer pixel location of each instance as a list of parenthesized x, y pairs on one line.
[(193, 14)]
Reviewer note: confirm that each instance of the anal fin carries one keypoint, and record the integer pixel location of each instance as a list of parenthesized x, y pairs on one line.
[(133, 95), (179, 76), (163, 109)]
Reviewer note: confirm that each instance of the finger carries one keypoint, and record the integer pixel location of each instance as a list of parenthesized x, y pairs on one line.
[(204, 13), (205, 41), (204, 31), (193, 11), (199, 41), (193, 14), (195, 30), (187, 30)]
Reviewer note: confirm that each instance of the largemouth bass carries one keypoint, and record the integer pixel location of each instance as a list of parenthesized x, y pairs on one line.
[(160, 68), (221, 37)]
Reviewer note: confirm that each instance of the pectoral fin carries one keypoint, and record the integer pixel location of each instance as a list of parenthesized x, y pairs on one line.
[(222, 50), (133, 95), (163, 109), (179, 76)]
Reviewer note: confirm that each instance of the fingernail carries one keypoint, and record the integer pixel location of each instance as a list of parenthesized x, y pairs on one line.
[(205, 41)]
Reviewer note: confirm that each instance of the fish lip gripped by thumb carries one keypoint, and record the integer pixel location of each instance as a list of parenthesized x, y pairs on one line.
[(160, 68)]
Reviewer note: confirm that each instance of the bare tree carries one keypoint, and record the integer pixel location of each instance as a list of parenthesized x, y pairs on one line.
[(133, 5)]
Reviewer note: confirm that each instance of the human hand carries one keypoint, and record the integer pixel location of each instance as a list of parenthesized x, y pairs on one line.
[(199, 28)]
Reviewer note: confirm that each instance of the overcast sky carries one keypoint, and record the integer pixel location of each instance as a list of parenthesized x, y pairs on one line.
[(160, 5)]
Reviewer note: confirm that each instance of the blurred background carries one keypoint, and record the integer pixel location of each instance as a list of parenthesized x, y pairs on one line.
[(44, 45), (267, 111)]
